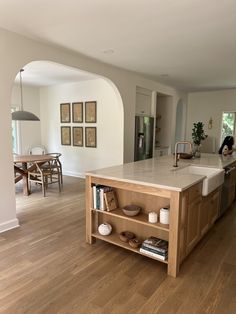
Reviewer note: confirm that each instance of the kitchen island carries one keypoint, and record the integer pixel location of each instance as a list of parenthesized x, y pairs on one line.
[(153, 184)]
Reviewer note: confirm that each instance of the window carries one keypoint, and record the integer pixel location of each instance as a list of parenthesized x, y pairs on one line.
[(14, 134), (228, 124)]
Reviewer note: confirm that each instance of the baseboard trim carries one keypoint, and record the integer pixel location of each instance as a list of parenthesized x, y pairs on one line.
[(8, 225), (74, 174)]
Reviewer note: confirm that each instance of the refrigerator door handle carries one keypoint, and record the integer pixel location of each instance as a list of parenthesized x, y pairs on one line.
[(141, 141)]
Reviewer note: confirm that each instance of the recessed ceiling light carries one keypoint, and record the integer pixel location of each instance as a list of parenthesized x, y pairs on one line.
[(108, 51)]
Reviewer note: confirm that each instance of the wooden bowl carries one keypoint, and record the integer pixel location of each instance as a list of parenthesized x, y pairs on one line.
[(125, 236), (134, 243), (131, 210)]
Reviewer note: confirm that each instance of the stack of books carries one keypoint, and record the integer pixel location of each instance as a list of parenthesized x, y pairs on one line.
[(155, 247), (104, 198)]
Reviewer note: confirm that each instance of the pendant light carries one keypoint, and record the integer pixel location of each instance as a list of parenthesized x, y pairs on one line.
[(22, 115)]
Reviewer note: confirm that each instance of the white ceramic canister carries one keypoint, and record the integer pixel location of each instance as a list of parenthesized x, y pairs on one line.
[(164, 215), (105, 229), (152, 217)]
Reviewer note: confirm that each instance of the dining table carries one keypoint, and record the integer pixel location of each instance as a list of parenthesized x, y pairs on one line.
[(25, 163)]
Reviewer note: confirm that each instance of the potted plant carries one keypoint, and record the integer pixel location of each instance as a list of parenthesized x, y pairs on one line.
[(198, 135)]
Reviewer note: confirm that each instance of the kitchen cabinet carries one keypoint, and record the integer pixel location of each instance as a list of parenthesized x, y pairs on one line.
[(192, 223), (152, 185), (232, 185), (182, 233), (214, 206), (209, 211), (143, 102)]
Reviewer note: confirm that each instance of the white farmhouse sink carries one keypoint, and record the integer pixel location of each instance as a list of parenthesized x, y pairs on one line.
[(214, 177)]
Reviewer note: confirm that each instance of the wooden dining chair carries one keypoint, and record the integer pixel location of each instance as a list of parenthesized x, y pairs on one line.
[(45, 176), (55, 163), (37, 150)]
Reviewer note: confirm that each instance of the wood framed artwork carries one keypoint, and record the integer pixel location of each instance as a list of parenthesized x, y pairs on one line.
[(65, 135), (65, 112), (90, 136), (90, 111), (77, 112), (77, 136)]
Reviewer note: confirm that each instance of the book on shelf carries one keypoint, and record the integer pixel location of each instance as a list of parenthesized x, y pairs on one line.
[(156, 243), (99, 196), (149, 253), (154, 251), (110, 200)]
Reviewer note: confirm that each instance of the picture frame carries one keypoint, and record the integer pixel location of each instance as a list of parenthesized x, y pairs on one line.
[(78, 136), (66, 135), (77, 112), (90, 136), (90, 111), (65, 112)]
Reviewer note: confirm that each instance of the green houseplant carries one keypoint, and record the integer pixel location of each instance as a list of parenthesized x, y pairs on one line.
[(198, 135)]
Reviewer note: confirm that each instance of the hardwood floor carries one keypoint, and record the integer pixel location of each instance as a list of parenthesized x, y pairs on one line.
[(46, 266)]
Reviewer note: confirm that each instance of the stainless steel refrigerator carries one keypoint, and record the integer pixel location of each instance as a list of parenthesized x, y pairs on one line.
[(143, 137)]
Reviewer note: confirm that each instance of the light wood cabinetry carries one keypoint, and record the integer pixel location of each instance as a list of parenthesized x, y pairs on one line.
[(193, 235), (232, 185), (188, 218), (209, 211), (150, 199), (214, 206)]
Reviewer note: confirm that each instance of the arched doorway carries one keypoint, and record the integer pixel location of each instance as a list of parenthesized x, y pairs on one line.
[(46, 86)]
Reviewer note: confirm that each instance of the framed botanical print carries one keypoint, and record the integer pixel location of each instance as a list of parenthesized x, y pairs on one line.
[(77, 112), (90, 111), (65, 112), (90, 136), (65, 135), (77, 136)]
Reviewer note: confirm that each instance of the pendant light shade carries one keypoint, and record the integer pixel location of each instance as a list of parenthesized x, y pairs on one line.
[(22, 115)]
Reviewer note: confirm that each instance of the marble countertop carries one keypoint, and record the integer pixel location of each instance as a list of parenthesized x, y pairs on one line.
[(159, 172)]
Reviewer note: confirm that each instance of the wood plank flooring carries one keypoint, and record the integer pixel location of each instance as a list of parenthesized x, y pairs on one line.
[(46, 266)]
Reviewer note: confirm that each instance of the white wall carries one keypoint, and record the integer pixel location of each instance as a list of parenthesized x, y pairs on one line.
[(204, 105), (17, 51), (29, 130), (110, 127), (165, 108)]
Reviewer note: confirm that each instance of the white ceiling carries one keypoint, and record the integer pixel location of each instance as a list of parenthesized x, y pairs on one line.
[(41, 73), (189, 44)]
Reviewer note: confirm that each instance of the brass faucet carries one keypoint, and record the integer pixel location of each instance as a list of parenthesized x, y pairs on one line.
[(176, 150)]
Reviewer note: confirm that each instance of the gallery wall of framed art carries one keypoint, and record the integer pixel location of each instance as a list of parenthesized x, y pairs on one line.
[(82, 113)]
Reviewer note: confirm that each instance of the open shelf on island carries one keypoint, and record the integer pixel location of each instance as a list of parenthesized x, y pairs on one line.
[(141, 218), (114, 239)]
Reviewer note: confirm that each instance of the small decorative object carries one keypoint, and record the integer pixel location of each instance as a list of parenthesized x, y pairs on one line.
[(198, 135), (77, 136), (164, 215), (65, 112), (131, 210), (90, 137), (90, 111), (65, 135), (134, 243), (125, 236), (77, 112), (152, 217), (105, 229)]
